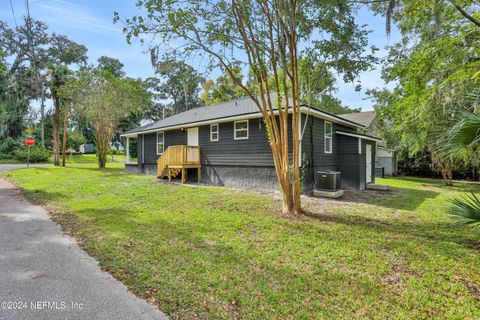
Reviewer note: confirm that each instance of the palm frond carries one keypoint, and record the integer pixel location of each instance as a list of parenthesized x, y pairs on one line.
[(464, 134), (465, 210)]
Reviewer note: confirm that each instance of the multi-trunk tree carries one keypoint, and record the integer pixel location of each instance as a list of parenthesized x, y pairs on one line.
[(265, 38), (104, 99)]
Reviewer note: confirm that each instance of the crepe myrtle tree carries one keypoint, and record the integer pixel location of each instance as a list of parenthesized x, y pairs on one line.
[(263, 37), (104, 99)]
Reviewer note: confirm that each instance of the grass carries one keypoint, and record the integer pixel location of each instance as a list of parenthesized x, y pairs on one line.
[(75, 159), (206, 252), (10, 161)]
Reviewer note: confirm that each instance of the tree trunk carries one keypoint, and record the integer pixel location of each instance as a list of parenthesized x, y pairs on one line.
[(102, 161), (102, 158), (101, 139), (64, 144), (280, 61), (56, 128), (445, 167)]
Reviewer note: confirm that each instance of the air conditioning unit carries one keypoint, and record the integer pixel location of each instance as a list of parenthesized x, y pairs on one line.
[(328, 180)]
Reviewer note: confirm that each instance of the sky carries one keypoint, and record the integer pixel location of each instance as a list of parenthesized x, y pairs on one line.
[(90, 23)]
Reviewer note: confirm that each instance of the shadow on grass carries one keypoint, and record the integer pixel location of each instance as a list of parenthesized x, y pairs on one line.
[(433, 232), (42, 195), (399, 198)]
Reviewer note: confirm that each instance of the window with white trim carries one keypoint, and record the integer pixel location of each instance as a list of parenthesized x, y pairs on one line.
[(328, 134), (241, 130), (160, 143), (214, 132)]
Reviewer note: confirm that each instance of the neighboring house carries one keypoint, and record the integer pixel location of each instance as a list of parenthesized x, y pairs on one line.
[(228, 145), (385, 157), (87, 148)]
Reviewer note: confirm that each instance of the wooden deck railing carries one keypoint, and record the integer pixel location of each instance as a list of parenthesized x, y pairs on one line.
[(178, 157)]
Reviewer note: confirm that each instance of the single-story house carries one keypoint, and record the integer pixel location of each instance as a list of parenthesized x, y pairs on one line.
[(228, 145), (386, 158)]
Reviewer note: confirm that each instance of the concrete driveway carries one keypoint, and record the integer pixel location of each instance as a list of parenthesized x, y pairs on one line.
[(45, 275)]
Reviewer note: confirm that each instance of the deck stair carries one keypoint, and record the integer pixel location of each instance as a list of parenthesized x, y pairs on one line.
[(176, 160)]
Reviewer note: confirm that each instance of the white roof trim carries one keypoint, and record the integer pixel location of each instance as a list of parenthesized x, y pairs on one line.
[(303, 109), (329, 117), (358, 136)]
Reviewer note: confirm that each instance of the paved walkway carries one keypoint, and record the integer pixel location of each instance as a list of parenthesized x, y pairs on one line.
[(45, 275), (6, 167)]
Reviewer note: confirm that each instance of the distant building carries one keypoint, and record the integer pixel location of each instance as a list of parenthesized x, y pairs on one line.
[(87, 148)]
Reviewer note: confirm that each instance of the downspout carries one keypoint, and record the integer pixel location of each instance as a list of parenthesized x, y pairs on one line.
[(312, 161), (306, 120)]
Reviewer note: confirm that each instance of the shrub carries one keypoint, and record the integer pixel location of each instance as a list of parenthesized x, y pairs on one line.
[(4, 156), (116, 152), (9, 146), (37, 154)]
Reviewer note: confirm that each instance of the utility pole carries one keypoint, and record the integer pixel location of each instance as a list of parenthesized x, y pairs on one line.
[(42, 113)]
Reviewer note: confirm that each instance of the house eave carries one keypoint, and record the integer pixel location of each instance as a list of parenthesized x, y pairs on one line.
[(349, 134), (303, 109)]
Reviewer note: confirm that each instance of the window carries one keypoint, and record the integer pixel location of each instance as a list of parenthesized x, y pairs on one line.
[(241, 129), (328, 137), (160, 142), (214, 132)]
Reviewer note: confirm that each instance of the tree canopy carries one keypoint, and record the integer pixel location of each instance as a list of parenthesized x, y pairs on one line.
[(431, 70), (223, 88), (104, 100), (175, 90)]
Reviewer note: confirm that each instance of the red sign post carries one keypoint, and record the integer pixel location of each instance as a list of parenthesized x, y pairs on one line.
[(29, 141)]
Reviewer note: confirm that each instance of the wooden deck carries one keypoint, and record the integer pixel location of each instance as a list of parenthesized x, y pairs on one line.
[(176, 160)]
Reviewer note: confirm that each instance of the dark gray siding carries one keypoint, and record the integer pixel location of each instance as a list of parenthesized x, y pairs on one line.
[(139, 150), (314, 157), (172, 138), (254, 151), (351, 164), (249, 162), (175, 138), (150, 148)]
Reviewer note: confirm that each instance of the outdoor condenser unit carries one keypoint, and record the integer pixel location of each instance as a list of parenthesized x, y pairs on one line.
[(328, 180)]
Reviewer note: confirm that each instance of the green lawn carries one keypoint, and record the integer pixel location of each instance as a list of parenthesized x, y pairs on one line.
[(10, 161), (205, 252), (75, 159)]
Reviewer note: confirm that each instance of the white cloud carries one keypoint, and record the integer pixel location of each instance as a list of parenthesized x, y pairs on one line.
[(71, 15)]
